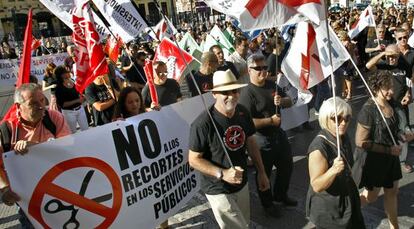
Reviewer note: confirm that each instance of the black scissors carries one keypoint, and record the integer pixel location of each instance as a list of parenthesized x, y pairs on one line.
[(54, 205)]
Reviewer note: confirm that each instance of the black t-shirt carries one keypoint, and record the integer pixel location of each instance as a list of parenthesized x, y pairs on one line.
[(229, 65), (168, 93), (64, 94), (204, 82), (234, 131), (400, 72), (260, 103), (135, 74), (99, 93)]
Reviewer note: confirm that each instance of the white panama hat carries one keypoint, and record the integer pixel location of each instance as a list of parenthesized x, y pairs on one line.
[(225, 81)]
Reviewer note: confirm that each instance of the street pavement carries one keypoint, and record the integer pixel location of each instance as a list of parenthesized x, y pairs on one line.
[(197, 212)]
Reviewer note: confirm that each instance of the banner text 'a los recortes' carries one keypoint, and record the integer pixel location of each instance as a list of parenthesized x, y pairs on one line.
[(174, 179)]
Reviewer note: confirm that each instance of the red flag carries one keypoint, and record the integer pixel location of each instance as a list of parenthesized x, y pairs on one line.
[(24, 68), (35, 44), (150, 80), (169, 53), (112, 48), (90, 61)]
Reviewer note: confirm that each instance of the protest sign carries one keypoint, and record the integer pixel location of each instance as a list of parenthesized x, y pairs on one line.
[(108, 175), (10, 67), (123, 17)]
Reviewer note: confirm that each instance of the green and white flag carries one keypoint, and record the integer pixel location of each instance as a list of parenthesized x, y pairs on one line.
[(190, 45), (223, 41)]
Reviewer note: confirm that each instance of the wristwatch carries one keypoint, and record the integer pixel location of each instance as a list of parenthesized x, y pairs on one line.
[(219, 174)]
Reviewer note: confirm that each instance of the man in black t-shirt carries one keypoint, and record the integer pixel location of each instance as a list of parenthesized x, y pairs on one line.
[(263, 102), (168, 90), (400, 69), (204, 77), (134, 70), (100, 95), (225, 183)]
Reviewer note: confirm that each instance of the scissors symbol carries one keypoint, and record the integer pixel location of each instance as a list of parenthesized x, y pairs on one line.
[(54, 205)]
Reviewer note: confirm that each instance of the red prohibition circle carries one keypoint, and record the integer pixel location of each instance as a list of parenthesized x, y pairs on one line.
[(47, 187)]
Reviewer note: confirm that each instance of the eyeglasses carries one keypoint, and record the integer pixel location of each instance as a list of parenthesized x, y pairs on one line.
[(341, 118), (234, 91), (404, 37), (259, 68), (162, 73)]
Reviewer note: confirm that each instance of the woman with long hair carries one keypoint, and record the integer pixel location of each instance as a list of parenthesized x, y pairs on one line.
[(69, 100), (129, 104)]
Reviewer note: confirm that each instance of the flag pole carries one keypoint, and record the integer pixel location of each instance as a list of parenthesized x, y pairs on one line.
[(333, 81), (277, 70), (199, 92)]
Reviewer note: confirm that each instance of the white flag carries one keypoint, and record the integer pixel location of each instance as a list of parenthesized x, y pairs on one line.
[(63, 10), (365, 19), (124, 19), (307, 62)]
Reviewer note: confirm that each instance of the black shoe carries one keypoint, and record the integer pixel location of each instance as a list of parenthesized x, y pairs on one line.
[(287, 201), (273, 211)]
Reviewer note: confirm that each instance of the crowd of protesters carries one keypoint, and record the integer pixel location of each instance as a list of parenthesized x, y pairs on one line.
[(382, 54)]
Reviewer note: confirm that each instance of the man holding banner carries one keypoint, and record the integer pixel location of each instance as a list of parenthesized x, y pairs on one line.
[(217, 149), (33, 125)]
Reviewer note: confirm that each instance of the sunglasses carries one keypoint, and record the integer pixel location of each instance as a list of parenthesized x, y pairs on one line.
[(259, 68), (341, 118), (404, 37), (234, 91)]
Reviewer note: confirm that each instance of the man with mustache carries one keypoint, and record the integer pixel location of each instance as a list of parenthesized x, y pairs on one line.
[(219, 154), (32, 127)]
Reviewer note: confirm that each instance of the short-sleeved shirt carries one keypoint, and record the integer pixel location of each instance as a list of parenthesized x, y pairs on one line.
[(40, 133), (168, 93), (259, 101), (99, 93), (64, 94), (400, 72), (204, 82), (234, 132)]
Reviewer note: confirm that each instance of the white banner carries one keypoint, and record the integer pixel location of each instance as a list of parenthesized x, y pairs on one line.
[(63, 10), (9, 69), (126, 174), (124, 19)]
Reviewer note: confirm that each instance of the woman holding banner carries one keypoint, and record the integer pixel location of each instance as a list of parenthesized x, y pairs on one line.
[(129, 104), (382, 166), (333, 199)]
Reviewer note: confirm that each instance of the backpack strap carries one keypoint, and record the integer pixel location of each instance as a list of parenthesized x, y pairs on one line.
[(5, 137), (48, 123)]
